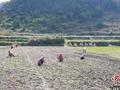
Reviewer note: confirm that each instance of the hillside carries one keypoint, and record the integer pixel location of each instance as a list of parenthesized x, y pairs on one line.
[(56, 16), (1, 4)]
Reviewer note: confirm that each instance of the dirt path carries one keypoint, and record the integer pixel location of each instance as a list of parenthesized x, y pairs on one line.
[(45, 84)]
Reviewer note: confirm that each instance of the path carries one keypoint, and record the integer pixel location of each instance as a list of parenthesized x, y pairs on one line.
[(45, 84)]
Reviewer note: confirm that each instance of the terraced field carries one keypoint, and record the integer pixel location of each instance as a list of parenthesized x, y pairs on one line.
[(22, 72)]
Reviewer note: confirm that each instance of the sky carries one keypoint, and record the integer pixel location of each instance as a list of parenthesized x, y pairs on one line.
[(4, 0)]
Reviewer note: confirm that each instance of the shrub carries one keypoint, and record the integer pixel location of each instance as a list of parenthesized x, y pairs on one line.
[(5, 43), (115, 43), (102, 43), (47, 42)]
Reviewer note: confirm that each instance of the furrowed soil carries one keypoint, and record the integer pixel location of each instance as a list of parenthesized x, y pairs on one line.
[(22, 73)]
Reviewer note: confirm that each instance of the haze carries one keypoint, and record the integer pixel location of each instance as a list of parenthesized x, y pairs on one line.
[(4, 1)]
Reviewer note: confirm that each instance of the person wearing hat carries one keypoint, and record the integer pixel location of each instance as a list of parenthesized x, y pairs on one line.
[(41, 61), (82, 57)]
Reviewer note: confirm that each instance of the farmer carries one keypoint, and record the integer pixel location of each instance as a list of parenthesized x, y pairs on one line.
[(82, 57), (60, 58), (41, 61), (12, 47), (10, 54), (83, 54), (16, 45)]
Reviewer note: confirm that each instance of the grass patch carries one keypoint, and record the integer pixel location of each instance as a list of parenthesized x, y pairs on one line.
[(111, 51)]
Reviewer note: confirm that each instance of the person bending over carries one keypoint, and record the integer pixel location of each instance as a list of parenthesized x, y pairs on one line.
[(10, 54), (60, 58), (41, 61)]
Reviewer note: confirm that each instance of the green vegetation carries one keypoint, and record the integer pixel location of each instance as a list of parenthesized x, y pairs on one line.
[(4, 43), (92, 40), (47, 42), (13, 39), (59, 40), (111, 51), (58, 16), (32, 40), (92, 37)]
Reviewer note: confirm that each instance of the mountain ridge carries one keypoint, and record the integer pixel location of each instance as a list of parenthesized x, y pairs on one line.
[(66, 16)]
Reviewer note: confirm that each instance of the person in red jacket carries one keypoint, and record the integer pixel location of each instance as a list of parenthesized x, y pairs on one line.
[(60, 58)]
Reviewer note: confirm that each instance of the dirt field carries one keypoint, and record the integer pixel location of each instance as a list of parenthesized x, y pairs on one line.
[(22, 73)]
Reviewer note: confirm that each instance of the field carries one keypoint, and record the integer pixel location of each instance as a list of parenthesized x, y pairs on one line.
[(22, 72), (112, 51)]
